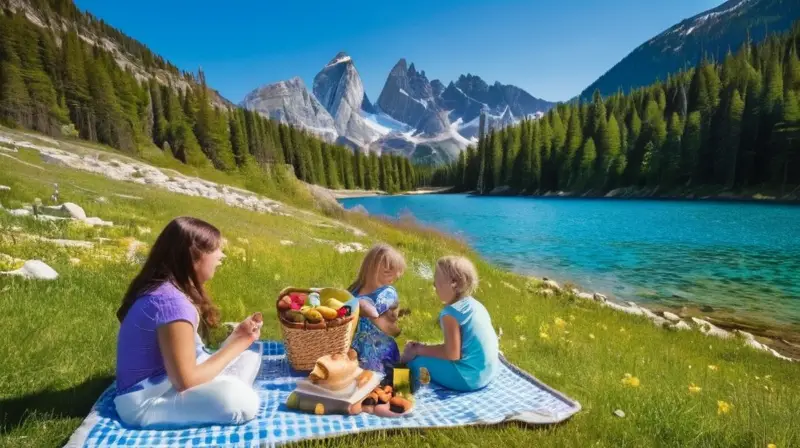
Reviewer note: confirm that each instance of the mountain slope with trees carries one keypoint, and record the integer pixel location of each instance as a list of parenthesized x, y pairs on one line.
[(710, 33), (55, 80), (732, 125)]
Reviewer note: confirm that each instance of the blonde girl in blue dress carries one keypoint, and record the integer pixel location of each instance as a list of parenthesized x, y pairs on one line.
[(374, 340)]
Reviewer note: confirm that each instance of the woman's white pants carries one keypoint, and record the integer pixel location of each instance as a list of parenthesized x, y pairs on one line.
[(228, 399)]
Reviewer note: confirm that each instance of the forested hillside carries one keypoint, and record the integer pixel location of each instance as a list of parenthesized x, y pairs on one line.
[(733, 123), (67, 73)]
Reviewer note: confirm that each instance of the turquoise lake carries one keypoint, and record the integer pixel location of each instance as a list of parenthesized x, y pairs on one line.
[(742, 258)]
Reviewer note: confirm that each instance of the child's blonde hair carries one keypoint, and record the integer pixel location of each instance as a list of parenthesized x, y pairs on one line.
[(461, 272), (380, 255)]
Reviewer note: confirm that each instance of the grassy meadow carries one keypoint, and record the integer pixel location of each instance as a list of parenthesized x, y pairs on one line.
[(59, 337)]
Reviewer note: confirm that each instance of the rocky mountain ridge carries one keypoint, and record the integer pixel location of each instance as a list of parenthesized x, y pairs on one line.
[(414, 116)]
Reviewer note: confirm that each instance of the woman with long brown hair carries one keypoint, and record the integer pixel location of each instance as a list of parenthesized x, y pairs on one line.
[(165, 377)]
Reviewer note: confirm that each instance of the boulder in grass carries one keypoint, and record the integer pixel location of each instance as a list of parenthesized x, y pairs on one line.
[(35, 270), (709, 329), (66, 210), (681, 325), (94, 221), (552, 284)]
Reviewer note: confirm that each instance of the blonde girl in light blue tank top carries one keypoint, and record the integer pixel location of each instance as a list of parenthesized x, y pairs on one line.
[(468, 359)]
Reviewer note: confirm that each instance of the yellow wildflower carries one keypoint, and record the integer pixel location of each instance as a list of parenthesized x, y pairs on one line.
[(694, 389), (604, 327), (622, 329), (277, 277), (767, 377), (591, 336), (520, 319), (723, 407), (772, 445), (571, 317), (758, 377), (713, 368), (560, 323), (522, 338), (544, 335), (630, 381)]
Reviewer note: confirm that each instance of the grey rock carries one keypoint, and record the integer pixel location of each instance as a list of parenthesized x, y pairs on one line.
[(655, 318), (470, 95), (35, 270), (552, 284), (5, 188), (709, 329), (360, 209), (367, 106), (433, 122), (290, 102), (636, 311), (670, 316), (407, 94), (339, 89), (585, 296), (681, 325), (75, 211), (619, 413)]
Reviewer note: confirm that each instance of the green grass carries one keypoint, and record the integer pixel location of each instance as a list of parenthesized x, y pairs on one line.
[(59, 337)]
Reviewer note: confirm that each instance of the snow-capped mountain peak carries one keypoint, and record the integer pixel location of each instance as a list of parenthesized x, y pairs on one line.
[(339, 58)]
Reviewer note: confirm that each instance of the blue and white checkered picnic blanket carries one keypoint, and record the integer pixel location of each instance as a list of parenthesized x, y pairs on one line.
[(513, 395)]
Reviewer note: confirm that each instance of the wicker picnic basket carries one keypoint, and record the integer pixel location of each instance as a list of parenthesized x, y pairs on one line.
[(305, 342)]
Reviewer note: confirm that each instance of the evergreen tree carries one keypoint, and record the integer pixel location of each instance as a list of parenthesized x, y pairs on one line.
[(787, 136), (76, 85), (587, 163), (612, 163), (671, 154), (360, 169), (690, 146), (318, 161), (522, 171), (110, 123), (374, 169), (574, 142), (14, 99), (238, 138), (537, 142), (331, 167)]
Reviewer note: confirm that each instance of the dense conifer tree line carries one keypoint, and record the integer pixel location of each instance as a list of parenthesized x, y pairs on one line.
[(733, 123)]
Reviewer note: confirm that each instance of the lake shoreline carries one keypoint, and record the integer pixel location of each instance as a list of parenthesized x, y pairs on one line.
[(792, 198), (356, 194)]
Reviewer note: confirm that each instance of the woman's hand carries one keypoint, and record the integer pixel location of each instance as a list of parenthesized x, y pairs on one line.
[(248, 330), (176, 340)]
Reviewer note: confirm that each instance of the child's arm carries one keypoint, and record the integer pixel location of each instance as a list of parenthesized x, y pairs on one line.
[(387, 322), (367, 308), (450, 350)]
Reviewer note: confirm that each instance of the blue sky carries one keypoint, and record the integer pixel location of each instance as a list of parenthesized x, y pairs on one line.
[(553, 49)]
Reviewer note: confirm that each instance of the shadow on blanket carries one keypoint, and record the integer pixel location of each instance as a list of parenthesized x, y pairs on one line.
[(74, 402)]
